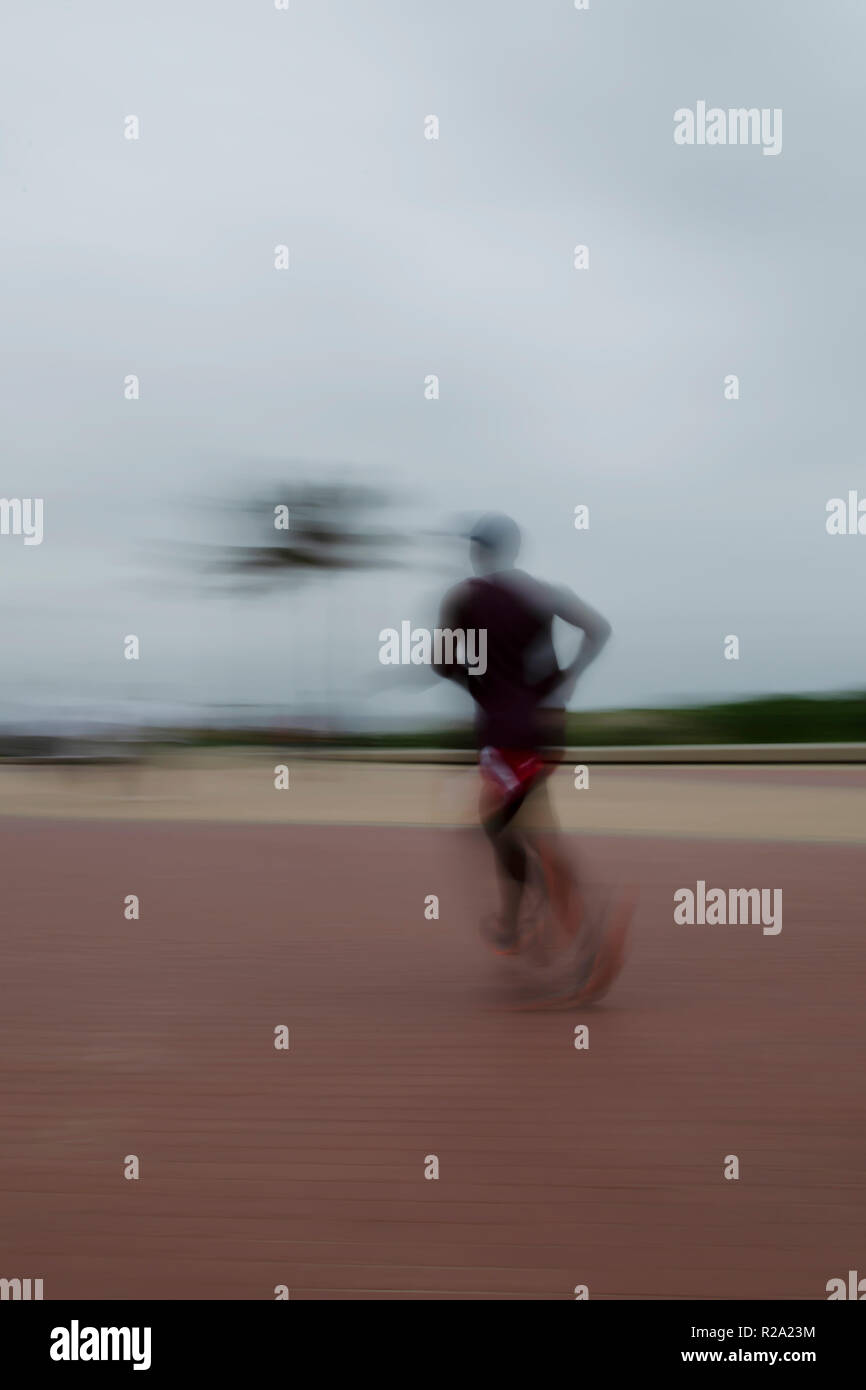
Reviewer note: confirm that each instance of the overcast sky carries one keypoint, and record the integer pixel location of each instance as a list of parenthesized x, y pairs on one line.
[(409, 256)]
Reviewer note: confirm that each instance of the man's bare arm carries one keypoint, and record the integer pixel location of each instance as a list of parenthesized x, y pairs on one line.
[(596, 631), (451, 670)]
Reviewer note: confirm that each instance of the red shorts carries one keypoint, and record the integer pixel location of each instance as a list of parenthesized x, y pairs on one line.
[(511, 772)]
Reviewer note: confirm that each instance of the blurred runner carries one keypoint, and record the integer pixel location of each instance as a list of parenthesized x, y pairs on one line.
[(520, 712)]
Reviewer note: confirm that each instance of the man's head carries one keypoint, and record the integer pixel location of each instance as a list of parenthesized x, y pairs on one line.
[(494, 543)]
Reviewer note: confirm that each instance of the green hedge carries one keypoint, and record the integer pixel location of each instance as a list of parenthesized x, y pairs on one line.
[(771, 719)]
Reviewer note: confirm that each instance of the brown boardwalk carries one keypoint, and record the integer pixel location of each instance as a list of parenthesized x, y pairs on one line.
[(558, 1167)]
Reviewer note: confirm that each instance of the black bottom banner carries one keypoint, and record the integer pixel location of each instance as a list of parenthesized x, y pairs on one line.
[(216, 1339)]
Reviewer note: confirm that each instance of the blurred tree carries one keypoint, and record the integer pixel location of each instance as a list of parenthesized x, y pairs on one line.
[(329, 529), (304, 529)]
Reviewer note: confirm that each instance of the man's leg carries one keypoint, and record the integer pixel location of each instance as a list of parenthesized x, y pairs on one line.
[(511, 858), (539, 824)]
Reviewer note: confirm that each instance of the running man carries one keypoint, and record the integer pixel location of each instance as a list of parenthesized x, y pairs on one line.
[(520, 708)]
